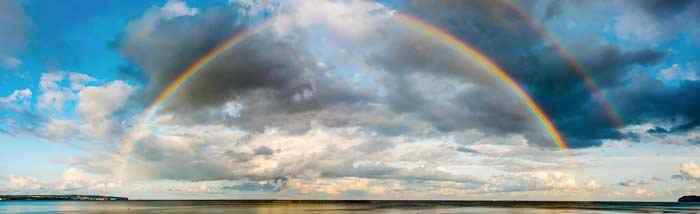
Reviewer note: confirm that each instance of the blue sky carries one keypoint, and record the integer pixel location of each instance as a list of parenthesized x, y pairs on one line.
[(335, 99)]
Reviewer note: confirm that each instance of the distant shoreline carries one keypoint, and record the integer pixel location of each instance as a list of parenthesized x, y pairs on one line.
[(61, 198), (306, 201)]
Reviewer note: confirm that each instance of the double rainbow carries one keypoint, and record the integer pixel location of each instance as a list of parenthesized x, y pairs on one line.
[(411, 22), (597, 93)]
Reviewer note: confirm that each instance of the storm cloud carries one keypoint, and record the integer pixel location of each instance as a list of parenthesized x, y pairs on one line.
[(550, 78), (342, 77)]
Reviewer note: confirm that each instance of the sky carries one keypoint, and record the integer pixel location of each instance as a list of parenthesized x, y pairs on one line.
[(351, 99)]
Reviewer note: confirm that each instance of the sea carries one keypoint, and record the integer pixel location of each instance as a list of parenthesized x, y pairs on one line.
[(340, 207)]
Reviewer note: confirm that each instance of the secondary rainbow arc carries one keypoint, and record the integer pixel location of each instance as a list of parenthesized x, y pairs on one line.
[(598, 94), (467, 50)]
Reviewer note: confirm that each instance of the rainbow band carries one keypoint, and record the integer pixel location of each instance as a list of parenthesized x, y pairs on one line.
[(409, 21), (490, 66), (190, 71), (590, 84)]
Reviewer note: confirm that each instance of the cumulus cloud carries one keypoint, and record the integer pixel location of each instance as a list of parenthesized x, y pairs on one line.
[(19, 100), (77, 180), (177, 8), (58, 130), (14, 183), (98, 104), (690, 170), (95, 105), (53, 95), (542, 181), (397, 103), (270, 89), (341, 77), (534, 63), (72, 180)]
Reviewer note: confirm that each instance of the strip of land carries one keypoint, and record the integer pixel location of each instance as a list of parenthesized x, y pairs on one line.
[(60, 198)]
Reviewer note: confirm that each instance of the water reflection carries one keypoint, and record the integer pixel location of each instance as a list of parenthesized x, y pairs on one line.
[(247, 207)]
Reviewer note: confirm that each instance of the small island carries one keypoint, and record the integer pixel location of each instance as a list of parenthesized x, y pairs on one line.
[(689, 198), (60, 198)]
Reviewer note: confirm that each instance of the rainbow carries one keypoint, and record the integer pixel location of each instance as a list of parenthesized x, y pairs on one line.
[(472, 53), (411, 22), (598, 94)]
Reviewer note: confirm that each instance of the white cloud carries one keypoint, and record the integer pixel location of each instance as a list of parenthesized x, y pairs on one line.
[(97, 104), (14, 183), (644, 193), (675, 72), (177, 8), (251, 8), (53, 96), (78, 80), (142, 28), (19, 100), (75, 179), (346, 18), (541, 181), (335, 187), (690, 170), (59, 130), (102, 101)]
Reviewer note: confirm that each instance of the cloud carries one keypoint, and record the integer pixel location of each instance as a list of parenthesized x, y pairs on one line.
[(397, 104), (78, 80), (551, 80), (71, 181), (269, 89), (58, 130), (19, 184), (654, 21), (98, 104), (553, 10), (97, 108), (177, 8), (690, 170), (19, 100), (16, 24), (53, 96), (10, 62), (77, 180), (275, 185), (677, 73), (547, 181), (633, 183)]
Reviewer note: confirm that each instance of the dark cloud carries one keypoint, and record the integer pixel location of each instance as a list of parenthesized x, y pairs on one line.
[(633, 183), (665, 8), (280, 83), (164, 48), (275, 185), (505, 35), (553, 9), (648, 98)]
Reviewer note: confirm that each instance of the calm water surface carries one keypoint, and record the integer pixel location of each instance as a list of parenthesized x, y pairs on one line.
[(354, 208)]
